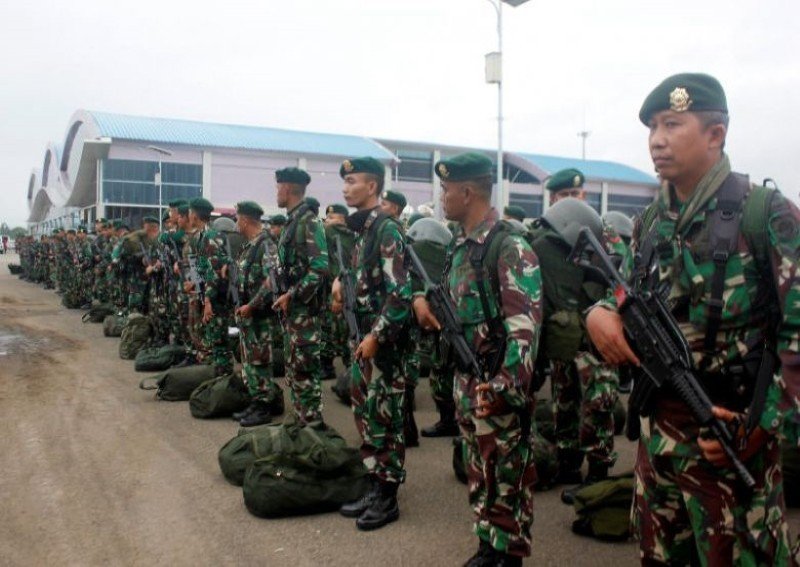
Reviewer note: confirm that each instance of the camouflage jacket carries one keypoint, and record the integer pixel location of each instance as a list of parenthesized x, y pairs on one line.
[(303, 254), (383, 288), (209, 249), (347, 237), (252, 271), (519, 306), (685, 262)]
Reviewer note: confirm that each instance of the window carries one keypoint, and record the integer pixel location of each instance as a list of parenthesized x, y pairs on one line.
[(531, 204), (593, 200), (133, 182), (630, 205), (415, 166)]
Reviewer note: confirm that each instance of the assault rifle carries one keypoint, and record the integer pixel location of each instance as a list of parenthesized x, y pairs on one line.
[(349, 295), (233, 276), (146, 255), (276, 283), (193, 276), (445, 311), (653, 332)]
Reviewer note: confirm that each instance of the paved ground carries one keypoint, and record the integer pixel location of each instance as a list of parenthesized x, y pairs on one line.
[(97, 472)]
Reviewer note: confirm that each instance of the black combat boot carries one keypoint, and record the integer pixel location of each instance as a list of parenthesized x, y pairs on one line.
[(569, 467), (260, 415), (239, 415), (410, 432), (484, 549), (328, 373), (597, 472), (355, 508), (447, 425), (382, 510), (276, 406)]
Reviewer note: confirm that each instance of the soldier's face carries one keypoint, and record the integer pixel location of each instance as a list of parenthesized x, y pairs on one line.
[(390, 208), (334, 218), (576, 193), (282, 193), (454, 200), (173, 215), (194, 220), (358, 188), (682, 149), (275, 230)]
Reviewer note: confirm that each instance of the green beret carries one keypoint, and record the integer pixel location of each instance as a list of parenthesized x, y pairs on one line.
[(70, 231), (515, 212), (82, 229), (569, 178), (151, 220), (165, 216), (277, 220), (183, 210), (682, 92), (201, 205), (292, 175), (313, 203), (337, 209), (117, 223), (362, 165), (101, 220), (395, 197), (250, 209), (176, 203), (464, 166), (56, 230), (414, 218)]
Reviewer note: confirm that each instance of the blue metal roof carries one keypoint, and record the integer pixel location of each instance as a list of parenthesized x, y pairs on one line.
[(206, 134), (592, 169)]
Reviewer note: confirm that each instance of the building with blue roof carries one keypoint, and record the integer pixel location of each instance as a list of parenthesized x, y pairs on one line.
[(121, 166)]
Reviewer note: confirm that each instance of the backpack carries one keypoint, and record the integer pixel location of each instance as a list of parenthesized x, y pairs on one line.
[(310, 469), (113, 324), (604, 509), (135, 336), (154, 359), (177, 384), (219, 397), (98, 312)]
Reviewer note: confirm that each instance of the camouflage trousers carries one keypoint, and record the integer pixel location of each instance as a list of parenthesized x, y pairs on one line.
[(158, 313), (179, 318), (216, 342), (377, 392), (100, 288), (334, 337), (498, 452), (301, 359), (255, 346), (687, 511), (584, 394), (137, 293), (442, 372)]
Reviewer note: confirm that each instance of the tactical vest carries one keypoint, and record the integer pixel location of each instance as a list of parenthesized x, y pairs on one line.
[(369, 257), (292, 243), (348, 239)]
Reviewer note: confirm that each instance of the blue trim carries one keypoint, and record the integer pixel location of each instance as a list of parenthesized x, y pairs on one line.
[(592, 169)]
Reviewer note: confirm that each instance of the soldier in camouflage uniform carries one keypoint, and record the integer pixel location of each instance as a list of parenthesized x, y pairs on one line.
[(690, 507), (255, 318), (499, 305), (85, 258), (383, 293), (160, 284), (302, 269), (180, 299), (209, 311), (130, 256), (102, 259)]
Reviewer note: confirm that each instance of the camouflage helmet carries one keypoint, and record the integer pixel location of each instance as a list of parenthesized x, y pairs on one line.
[(224, 224), (429, 230), (569, 215), (620, 222)]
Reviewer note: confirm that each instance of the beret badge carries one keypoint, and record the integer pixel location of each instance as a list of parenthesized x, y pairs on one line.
[(347, 165), (443, 172), (679, 100)]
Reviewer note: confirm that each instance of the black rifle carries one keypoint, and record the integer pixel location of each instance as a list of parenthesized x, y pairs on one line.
[(348, 288), (193, 276), (653, 332), (145, 255), (276, 283), (452, 330), (233, 276)]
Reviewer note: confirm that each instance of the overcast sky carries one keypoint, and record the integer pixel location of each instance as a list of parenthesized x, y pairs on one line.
[(406, 69)]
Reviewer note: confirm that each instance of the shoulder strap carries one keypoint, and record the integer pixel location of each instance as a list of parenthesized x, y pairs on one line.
[(251, 256), (755, 224), (489, 254), (723, 240)]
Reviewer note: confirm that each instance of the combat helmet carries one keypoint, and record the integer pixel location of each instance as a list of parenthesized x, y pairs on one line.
[(224, 224), (569, 215), (429, 230), (620, 222)]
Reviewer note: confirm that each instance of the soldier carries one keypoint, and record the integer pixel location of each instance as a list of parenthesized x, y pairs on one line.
[(177, 244), (514, 212), (256, 321), (302, 270), (383, 294), (728, 251), (160, 285), (393, 203), (276, 224), (501, 319)]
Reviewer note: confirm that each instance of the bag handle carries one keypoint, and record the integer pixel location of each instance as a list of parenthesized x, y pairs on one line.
[(85, 317), (153, 386)]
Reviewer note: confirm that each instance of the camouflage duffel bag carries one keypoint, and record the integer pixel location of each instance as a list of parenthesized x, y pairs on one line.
[(98, 312), (220, 397), (177, 384), (604, 509), (113, 324), (154, 359), (135, 336), (309, 470)]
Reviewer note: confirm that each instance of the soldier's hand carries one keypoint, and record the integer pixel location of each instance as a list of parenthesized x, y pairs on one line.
[(606, 333), (149, 270), (224, 272), (368, 347), (176, 269), (208, 311), (336, 307), (489, 403), (425, 317), (188, 287), (282, 303), (336, 292), (244, 311), (749, 446)]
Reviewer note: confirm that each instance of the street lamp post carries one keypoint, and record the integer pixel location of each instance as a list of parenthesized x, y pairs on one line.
[(157, 180), (494, 75)]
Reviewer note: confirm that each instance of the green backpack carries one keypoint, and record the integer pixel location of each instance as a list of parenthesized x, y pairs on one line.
[(310, 469), (154, 359), (220, 397), (113, 324), (98, 313), (177, 384), (135, 336), (604, 509)]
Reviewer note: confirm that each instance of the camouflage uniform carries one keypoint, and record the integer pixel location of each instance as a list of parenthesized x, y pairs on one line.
[(255, 336), (498, 449), (102, 258), (303, 268), (383, 295), (159, 287), (130, 263), (687, 510), (334, 327)]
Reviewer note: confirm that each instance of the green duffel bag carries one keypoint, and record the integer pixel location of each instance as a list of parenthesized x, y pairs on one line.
[(113, 324), (219, 397), (309, 471), (15, 269), (154, 359), (604, 509), (135, 336), (98, 312), (177, 384), (241, 451)]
